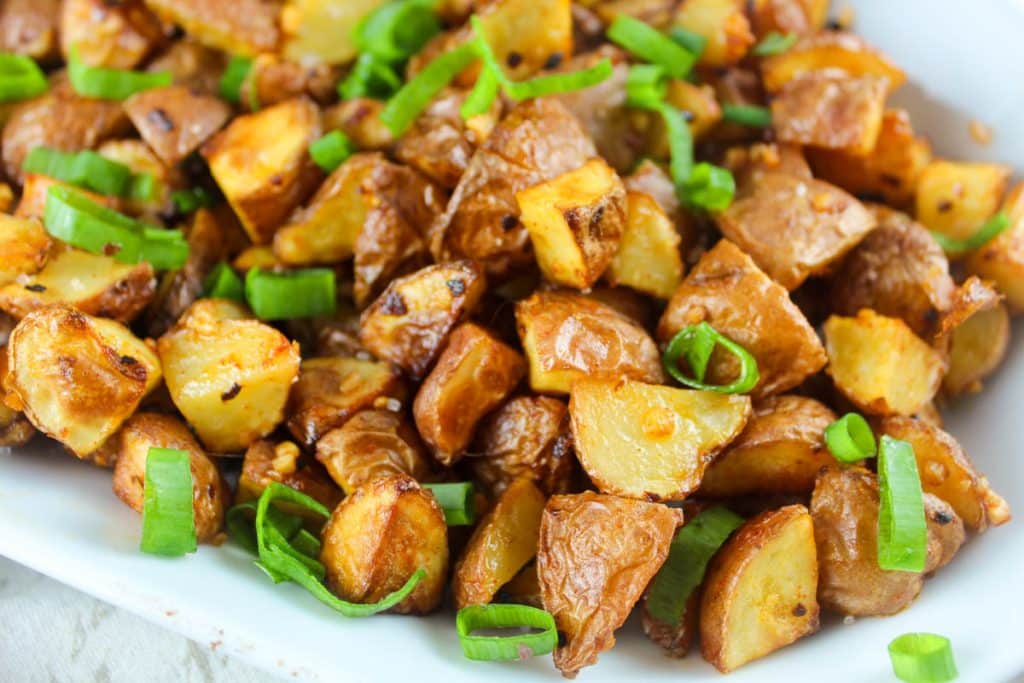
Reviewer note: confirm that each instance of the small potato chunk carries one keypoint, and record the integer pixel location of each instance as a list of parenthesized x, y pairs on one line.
[(567, 337), (502, 543), (1001, 260), (760, 589), (36, 188), (797, 17), (320, 30), (748, 164), (699, 101), (372, 444), (956, 198), (648, 259), (378, 536), (266, 462), (724, 24), (261, 162), (880, 365), (473, 375), (25, 246), (410, 321), (359, 120), (117, 36), (596, 555), (78, 378), (243, 27), (781, 450), (977, 347), (829, 50), (191, 64), (15, 429), (30, 27), (575, 222), (228, 375), (535, 30), (210, 493), (175, 120), (651, 442), (331, 390), (727, 290), (947, 473)]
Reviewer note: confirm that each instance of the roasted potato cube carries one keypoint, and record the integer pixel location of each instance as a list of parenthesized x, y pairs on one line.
[(833, 51), (524, 589), (795, 227), (796, 17), (243, 27), (648, 259), (320, 30), (77, 377), (192, 64), (34, 192), (15, 429), (359, 120), (410, 321), (880, 365), (652, 179), (210, 493), (378, 536), (596, 555), (473, 375), (956, 198), (273, 79), (117, 36), (724, 24), (228, 375), (748, 164), (261, 162), (266, 462), (137, 156), (651, 442), (567, 337), (175, 120), (30, 27), (1001, 260), (25, 246), (977, 347), (536, 30), (699, 101), (331, 390)]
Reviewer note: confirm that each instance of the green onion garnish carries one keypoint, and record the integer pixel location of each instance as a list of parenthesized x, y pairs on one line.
[(646, 86), (515, 646), (902, 530), (747, 115), (397, 30), (774, 43), (482, 97), (709, 187), (239, 521), (688, 558), (20, 78), (163, 249), (456, 500), (370, 76), (409, 102), (302, 293), (651, 45), (168, 519), (922, 658), (694, 43), (187, 201), (331, 150), (850, 439), (223, 283), (230, 87), (695, 343), (111, 84), (85, 169), (989, 231)]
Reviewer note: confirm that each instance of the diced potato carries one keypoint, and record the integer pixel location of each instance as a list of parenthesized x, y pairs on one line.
[(175, 120), (140, 159), (830, 50), (228, 375), (651, 442), (243, 27), (473, 375), (748, 164), (15, 429), (880, 365), (409, 322), (1001, 260), (117, 36), (725, 25), (378, 536), (273, 79), (596, 555), (657, 13), (266, 462), (320, 30), (77, 377), (956, 198), (976, 349), (796, 17), (25, 246), (653, 180), (524, 589), (648, 259), (30, 27), (192, 64), (727, 290), (36, 188), (359, 120), (536, 30), (575, 222), (760, 589), (261, 162), (675, 639), (699, 101), (567, 337)]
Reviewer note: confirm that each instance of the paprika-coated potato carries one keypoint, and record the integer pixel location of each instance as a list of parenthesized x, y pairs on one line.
[(829, 50), (174, 121), (268, 461), (25, 245)]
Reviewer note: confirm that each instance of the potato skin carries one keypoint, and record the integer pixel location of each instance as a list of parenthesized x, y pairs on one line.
[(245, 27), (1001, 260), (976, 349), (174, 121), (30, 27), (798, 17), (266, 461), (25, 245), (15, 429), (114, 36), (823, 50)]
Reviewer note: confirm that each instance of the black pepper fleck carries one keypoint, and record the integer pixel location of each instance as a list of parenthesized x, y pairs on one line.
[(940, 517), (799, 610), (128, 360), (35, 288), (232, 392), (456, 286), (554, 61), (161, 120), (509, 222), (393, 304), (514, 59), (944, 206)]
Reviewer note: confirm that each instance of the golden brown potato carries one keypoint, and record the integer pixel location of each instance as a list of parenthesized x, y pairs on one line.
[(674, 639), (227, 374), (359, 120), (502, 543), (77, 378), (192, 64), (272, 80), (266, 461), (727, 290), (945, 532), (796, 17), (370, 445), (524, 589), (880, 365), (261, 162), (724, 24), (977, 347), (473, 375), (143, 431), (331, 390), (25, 246), (1001, 260), (829, 50), (36, 188), (596, 555), (30, 27), (244, 27), (6, 198), (410, 321), (795, 227), (117, 36), (648, 258), (15, 429), (140, 159), (378, 536), (699, 101), (568, 336), (651, 442), (536, 30), (320, 30), (652, 180), (174, 121), (760, 589), (956, 198)]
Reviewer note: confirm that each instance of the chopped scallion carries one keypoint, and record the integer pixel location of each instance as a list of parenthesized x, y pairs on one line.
[(223, 283), (456, 500), (370, 76), (168, 518), (709, 187), (651, 45), (300, 293), (747, 115), (695, 343), (902, 529), (230, 86), (517, 645), (989, 231), (187, 201), (85, 169), (482, 97), (694, 43), (409, 102), (331, 150), (646, 86), (850, 439), (922, 658), (397, 30), (20, 78), (111, 84), (774, 43)]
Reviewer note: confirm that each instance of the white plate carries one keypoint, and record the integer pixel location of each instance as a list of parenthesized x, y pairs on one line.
[(61, 518)]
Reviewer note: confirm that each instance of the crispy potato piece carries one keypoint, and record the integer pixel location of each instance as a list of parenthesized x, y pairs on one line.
[(359, 120), (956, 198), (192, 65), (724, 24), (243, 27), (730, 292), (880, 365), (977, 347), (1001, 260), (533, 29), (77, 377), (410, 321), (596, 555), (502, 543), (25, 245), (648, 259), (137, 156), (748, 164), (331, 390), (34, 192), (796, 17), (524, 588), (795, 227), (117, 36), (651, 179), (15, 429), (261, 162), (210, 493), (378, 536), (945, 532), (830, 50), (228, 375), (567, 337), (266, 461), (699, 101), (175, 121), (272, 80), (947, 473), (30, 27), (473, 375), (674, 639), (320, 30)]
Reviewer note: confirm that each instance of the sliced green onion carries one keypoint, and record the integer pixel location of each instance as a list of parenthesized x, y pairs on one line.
[(111, 84), (240, 523), (370, 77), (331, 150), (187, 201), (223, 283), (516, 646), (20, 78), (850, 439), (646, 86), (163, 249), (747, 115), (694, 43), (306, 543), (989, 231), (902, 529), (651, 45), (86, 169), (709, 187), (688, 559), (168, 519), (143, 187), (695, 343), (230, 87), (482, 97), (680, 143), (774, 43), (397, 30), (922, 658), (414, 97), (457, 502), (294, 294)]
